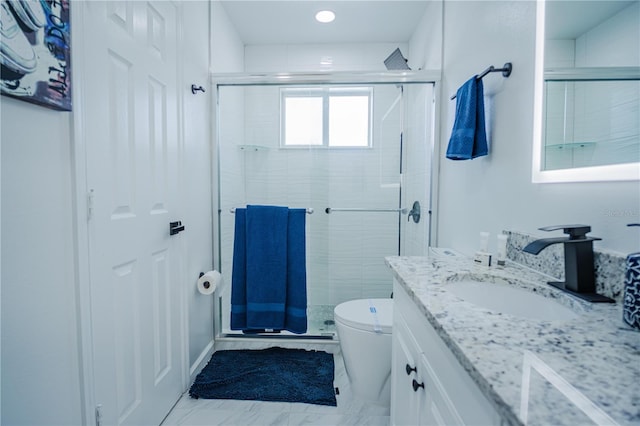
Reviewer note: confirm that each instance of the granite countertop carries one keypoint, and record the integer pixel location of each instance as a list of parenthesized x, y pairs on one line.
[(578, 371)]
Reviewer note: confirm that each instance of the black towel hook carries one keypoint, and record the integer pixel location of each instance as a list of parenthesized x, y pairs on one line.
[(505, 70), (195, 89)]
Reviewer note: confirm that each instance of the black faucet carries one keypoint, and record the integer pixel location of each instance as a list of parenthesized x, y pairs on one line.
[(579, 272)]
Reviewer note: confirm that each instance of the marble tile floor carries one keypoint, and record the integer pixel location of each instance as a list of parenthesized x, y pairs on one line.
[(349, 411)]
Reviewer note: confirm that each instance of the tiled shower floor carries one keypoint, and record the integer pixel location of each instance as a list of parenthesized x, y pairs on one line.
[(320, 322)]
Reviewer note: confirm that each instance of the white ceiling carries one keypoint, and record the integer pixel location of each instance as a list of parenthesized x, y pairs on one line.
[(293, 22), (381, 21), (568, 20)]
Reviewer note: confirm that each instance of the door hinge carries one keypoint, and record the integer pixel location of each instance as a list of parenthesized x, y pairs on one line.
[(90, 198), (99, 415)]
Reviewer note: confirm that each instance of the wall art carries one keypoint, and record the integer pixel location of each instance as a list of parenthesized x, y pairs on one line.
[(35, 53)]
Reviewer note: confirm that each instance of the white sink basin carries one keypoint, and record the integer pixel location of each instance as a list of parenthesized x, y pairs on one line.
[(506, 299)]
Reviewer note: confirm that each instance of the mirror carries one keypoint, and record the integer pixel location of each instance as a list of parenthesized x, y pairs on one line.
[(587, 91)]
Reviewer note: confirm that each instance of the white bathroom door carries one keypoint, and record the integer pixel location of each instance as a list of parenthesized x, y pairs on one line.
[(131, 131)]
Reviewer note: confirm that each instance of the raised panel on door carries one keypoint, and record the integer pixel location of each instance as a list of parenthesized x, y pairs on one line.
[(158, 149), (121, 143), (128, 356), (162, 316)]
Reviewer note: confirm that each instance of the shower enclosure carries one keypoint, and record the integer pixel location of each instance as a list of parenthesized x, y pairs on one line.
[(355, 151)]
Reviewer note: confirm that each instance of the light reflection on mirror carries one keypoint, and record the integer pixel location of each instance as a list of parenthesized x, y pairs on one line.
[(587, 95)]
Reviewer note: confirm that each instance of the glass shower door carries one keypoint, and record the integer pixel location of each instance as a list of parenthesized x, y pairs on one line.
[(354, 192)]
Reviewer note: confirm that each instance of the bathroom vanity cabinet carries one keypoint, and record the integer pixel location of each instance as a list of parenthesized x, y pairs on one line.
[(429, 386)]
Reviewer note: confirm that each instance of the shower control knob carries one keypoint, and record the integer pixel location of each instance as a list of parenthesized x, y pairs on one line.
[(409, 369), (417, 385)]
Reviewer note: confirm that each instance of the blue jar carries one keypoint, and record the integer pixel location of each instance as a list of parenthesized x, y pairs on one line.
[(631, 302), (631, 306)]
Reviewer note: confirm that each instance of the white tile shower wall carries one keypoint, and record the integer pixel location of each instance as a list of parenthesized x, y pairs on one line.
[(417, 166), (232, 161), (340, 245), (303, 178)]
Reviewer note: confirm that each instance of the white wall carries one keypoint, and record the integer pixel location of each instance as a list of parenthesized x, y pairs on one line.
[(425, 45), (495, 192), (227, 56), (40, 366), (315, 57), (197, 177), (227, 50), (613, 43)]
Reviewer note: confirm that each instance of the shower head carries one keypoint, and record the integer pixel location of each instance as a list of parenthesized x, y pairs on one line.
[(396, 61)]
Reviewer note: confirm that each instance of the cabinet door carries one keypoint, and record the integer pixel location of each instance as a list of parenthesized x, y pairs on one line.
[(450, 396), (436, 408), (405, 404)]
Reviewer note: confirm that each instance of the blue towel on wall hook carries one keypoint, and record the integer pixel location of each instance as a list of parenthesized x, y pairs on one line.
[(468, 138)]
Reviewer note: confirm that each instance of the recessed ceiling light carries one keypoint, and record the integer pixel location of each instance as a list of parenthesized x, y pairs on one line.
[(325, 16)]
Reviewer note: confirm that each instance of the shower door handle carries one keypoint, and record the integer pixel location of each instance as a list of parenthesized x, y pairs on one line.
[(415, 212)]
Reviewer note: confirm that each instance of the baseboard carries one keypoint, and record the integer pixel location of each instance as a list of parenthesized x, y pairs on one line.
[(204, 357)]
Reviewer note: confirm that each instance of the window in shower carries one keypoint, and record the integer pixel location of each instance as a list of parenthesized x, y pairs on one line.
[(335, 117)]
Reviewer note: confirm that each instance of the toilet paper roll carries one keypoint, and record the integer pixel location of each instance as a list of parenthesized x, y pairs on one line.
[(208, 283)]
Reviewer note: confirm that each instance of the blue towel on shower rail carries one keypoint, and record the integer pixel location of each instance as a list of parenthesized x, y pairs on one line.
[(266, 266), (239, 273), (296, 309), (468, 137), (268, 289)]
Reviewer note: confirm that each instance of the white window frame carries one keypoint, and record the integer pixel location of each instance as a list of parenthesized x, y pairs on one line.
[(326, 93)]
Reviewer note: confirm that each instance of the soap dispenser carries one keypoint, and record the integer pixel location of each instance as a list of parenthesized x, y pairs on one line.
[(631, 303), (483, 257)]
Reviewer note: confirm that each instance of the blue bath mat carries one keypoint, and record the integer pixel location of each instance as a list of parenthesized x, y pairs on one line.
[(274, 374)]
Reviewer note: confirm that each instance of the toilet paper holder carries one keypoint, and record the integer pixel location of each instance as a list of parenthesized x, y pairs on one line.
[(206, 284)]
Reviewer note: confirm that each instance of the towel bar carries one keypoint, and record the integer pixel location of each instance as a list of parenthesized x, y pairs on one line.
[(506, 72), (329, 210), (308, 209)]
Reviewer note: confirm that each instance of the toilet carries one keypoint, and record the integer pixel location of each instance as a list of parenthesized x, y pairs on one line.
[(364, 330)]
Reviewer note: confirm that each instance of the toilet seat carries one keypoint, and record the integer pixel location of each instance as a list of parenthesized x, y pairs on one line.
[(366, 314)]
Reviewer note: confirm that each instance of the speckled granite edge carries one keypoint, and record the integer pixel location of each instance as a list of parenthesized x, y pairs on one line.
[(596, 353), (507, 414), (609, 265)]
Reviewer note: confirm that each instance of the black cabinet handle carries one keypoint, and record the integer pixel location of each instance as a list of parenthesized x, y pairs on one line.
[(409, 369), (175, 227), (417, 385)]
